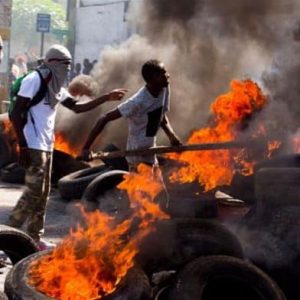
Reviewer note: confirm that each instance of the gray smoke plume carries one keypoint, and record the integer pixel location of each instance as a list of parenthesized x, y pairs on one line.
[(204, 45)]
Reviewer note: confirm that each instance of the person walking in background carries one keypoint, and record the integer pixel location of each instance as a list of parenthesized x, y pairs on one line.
[(34, 127)]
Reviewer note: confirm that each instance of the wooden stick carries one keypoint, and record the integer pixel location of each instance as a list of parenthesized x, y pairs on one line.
[(175, 149)]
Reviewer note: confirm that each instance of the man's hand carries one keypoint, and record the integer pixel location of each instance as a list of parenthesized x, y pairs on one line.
[(116, 94), (24, 157), (85, 155), (175, 141)]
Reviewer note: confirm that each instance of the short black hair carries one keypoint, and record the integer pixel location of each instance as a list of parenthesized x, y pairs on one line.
[(151, 68)]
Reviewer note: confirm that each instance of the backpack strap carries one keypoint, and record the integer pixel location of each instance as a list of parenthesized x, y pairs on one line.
[(40, 95)]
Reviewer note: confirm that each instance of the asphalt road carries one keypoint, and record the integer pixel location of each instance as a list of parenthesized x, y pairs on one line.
[(59, 218)]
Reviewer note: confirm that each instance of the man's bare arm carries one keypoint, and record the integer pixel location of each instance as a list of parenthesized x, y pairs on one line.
[(167, 128), (70, 103), (101, 123), (18, 116)]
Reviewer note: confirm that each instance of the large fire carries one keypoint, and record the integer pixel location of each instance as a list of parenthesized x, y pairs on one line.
[(62, 144), (230, 111), (90, 263)]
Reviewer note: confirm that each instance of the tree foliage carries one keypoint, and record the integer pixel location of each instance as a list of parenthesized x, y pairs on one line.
[(24, 37)]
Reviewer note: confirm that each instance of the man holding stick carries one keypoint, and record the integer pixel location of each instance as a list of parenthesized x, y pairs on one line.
[(145, 112)]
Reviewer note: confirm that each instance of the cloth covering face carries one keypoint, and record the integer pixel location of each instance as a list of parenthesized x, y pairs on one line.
[(144, 114), (57, 61)]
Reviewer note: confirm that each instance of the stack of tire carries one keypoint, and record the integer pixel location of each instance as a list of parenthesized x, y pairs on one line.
[(190, 259), (271, 229)]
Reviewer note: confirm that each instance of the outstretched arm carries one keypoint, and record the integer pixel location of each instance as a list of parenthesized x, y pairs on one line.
[(101, 123), (166, 126), (70, 103)]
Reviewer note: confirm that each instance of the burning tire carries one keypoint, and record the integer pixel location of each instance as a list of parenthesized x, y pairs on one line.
[(73, 185), (102, 194), (64, 164), (135, 286), (15, 243), (176, 242), (223, 277), (278, 186)]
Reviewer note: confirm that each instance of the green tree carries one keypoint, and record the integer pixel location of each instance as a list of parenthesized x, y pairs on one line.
[(24, 37)]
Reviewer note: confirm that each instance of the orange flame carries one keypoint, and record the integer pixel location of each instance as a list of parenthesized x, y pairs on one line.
[(296, 144), (62, 144), (9, 132), (230, 111), (90, 263), (7, 127), (272, 146)]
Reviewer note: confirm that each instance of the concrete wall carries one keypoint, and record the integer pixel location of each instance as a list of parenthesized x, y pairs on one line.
[(98, 24)]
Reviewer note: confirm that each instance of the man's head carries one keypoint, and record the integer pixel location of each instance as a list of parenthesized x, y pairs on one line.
[(155, 74), (58, 56), (1, 49)]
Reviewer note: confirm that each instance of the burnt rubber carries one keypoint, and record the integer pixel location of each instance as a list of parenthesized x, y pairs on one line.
[(223, 277), (277, 186), (176, 242), (135, 286), (73, 185), (15, 243)]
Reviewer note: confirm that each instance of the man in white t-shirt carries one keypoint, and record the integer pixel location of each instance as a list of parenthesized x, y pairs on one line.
[(145, 112), (34, 127)]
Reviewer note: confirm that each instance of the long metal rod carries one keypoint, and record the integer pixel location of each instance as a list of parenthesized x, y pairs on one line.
[(175, 149)]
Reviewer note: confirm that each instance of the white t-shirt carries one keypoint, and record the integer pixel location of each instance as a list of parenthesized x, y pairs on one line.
[(40, 135), (144, 114)]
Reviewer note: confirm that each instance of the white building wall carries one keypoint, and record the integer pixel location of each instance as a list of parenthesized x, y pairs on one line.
[(99, 23)]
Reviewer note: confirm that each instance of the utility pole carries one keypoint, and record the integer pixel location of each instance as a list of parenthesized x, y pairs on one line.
[(71, 19)]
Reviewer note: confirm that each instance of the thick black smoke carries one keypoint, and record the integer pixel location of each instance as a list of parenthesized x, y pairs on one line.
[(206, 44)]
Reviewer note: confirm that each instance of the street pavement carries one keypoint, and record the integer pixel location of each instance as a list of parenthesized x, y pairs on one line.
[(60, 217)]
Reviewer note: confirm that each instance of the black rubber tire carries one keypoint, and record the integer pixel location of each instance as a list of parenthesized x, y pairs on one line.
[(223, 277), (176, 242), (135, 286), (278, 186), (13, 173), (6, 153), (3, 296), (117, 163), (16, 244), (64, 164), (73, 185), (103, 188)]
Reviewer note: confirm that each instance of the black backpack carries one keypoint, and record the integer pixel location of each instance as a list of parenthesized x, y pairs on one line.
[(40, 95)]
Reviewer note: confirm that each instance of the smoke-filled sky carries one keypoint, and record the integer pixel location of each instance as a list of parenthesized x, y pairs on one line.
[(204, 45)]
